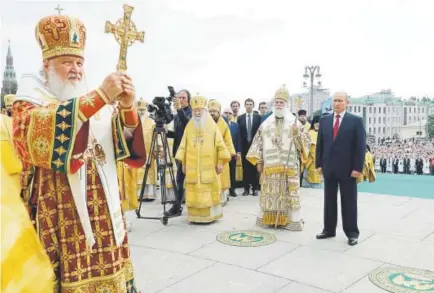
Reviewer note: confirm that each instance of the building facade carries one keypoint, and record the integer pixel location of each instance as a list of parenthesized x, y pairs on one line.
[(385, 115), (319, 96)]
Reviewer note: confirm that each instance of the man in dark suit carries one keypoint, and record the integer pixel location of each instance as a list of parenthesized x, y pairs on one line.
[(383, 164), (249, 124), (406, 165), (340, 155), (183, 115), (236, 140)]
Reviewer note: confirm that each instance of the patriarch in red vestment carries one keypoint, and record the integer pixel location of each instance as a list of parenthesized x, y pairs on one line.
[(69, 139)]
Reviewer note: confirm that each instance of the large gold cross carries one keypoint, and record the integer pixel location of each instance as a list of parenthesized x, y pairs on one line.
[(125, 33)]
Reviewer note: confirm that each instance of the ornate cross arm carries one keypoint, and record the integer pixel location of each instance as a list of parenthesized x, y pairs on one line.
[(125, 33)]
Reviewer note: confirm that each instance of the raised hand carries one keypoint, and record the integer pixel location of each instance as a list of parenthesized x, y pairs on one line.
[(112, 86), (129, 93)]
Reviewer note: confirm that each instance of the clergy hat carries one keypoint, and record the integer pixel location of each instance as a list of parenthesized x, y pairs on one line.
[(9, 99), (61, 35), (282, 93), (315, 119), (141, 104), (214, 105), (302, 112), (198, 102)]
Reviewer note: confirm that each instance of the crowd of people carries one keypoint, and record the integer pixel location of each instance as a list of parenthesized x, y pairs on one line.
[(408, 156), (76, 158)]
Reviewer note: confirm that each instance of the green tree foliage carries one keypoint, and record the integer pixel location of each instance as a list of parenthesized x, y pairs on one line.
[(430, 126)]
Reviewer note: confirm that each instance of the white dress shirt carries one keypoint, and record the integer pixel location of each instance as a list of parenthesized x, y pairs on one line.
[(341, 116)]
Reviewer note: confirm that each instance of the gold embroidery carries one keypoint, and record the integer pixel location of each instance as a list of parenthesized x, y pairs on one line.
[(64, 113), (41, 146), (88, 101), (63, 125), (60, 150), (62, 138), (58, 163)]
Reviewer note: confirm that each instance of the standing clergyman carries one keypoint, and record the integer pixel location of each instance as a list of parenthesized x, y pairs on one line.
[(275, 151)]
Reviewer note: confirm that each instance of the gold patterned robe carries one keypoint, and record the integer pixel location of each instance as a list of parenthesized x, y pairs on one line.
[(84, 236), (200, 151), (312, 178), (277, 149), (368, 172), (148, 126), (225, 176), (239, 163), (25, 267)]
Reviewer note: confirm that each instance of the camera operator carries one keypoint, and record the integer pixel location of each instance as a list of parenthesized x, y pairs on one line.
[(181, 103)]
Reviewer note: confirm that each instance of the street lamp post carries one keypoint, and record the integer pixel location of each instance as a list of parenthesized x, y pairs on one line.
[(311, 72)]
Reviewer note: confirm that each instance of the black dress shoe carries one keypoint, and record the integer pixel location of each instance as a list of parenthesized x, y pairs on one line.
[(255, 193), (325, 235), (232, 193), (353, 241), (245, 193)]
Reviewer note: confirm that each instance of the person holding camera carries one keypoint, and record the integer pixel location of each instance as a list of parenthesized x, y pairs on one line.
[(181, 104)]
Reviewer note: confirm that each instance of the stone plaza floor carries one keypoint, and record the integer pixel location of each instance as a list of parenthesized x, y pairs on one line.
[(184, 258)]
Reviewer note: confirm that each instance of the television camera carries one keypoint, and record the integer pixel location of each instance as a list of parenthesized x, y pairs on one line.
[(161, 108)]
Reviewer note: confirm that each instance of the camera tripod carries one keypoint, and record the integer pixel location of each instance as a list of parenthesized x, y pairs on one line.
[(162, 163)]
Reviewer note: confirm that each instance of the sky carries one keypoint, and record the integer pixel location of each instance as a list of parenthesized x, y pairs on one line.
[(238, 49)]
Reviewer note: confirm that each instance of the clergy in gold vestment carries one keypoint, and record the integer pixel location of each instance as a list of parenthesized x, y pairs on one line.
[(214, 109), (235, 107), (203, 154), (311, 177), (275, 151), (368, 172), (69, 140), (148, 126), (25, 267)]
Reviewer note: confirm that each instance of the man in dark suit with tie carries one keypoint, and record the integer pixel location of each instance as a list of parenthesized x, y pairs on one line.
[(340, 155), (249, 124), (236, 140)]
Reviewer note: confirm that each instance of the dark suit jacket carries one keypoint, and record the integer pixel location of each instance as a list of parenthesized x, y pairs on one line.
[(181, 120), (265, 116), (236, 136), (256, 122), (347, 152)]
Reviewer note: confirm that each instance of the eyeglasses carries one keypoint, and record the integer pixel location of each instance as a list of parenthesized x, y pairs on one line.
[(227, 113)]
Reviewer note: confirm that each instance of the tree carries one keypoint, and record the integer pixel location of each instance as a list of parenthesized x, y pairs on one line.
[(430, 126)]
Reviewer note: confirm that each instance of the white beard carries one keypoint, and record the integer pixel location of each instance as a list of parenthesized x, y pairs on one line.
[(199, 122), (281, 113), (64, 90)]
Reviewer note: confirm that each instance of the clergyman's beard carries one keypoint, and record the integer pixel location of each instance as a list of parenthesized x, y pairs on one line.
[(199, 122), (64, 90), (280, 113)]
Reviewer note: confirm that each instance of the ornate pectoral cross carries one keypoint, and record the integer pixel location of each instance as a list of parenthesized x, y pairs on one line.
[(125, 33), (197, 139)]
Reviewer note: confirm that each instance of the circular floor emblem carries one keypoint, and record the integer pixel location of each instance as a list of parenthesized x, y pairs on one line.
[(246, 238), (403, 280)]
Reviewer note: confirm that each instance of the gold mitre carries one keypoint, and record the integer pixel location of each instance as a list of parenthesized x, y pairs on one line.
[(214, 105), (9, 99), (60, 35), (141, 104), (198, 102), (282, 93)]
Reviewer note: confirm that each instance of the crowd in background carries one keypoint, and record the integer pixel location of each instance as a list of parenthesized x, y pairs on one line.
[(409, 156)]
